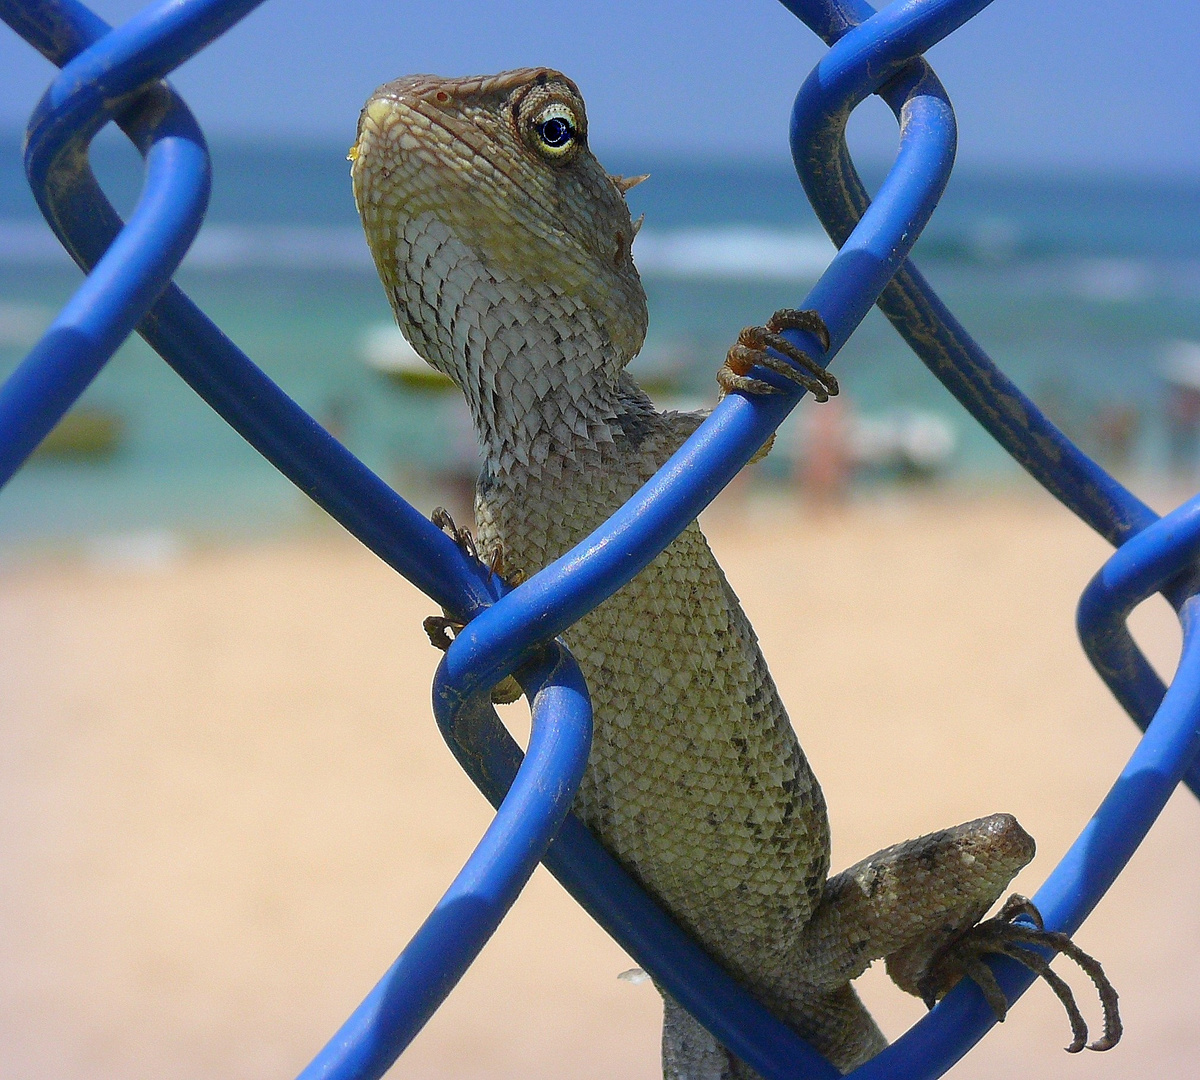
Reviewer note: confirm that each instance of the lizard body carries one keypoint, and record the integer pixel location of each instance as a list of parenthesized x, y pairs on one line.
[(505, 250)]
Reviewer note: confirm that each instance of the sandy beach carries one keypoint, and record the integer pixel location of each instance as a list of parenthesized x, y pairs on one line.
[(224, 805)]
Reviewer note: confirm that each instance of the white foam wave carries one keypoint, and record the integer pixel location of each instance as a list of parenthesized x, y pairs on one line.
[(734, 252), (293, 247), (1114, 279), (22, 324), (719, 252), (218, 247), (30, 243)]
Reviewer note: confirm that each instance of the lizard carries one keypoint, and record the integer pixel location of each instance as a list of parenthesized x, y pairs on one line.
[(504, 249)]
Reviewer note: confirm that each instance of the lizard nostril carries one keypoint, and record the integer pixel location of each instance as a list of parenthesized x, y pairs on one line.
[(442, 96)]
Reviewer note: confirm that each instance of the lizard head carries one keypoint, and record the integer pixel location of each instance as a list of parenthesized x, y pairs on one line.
[(487, 214)]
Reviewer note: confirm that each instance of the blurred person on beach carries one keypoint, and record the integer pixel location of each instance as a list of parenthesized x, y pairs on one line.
[(824, 459), (1181, 406)]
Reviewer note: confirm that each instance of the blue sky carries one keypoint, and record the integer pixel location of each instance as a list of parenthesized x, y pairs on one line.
[(1077, 84)]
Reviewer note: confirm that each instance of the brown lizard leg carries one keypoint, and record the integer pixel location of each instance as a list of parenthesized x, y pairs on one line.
[(436, 626), (751, 349), (919, 905)]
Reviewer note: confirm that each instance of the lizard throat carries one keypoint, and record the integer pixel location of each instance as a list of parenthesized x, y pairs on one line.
[(539, 374)]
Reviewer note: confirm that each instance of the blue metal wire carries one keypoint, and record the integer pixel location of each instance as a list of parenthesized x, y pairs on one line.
[(529, 815), (113, 74), (121, 290)]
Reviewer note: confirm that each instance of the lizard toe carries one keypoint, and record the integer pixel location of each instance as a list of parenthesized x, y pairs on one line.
[(460, 535), (793, 319), (766, 347), (436, 627)]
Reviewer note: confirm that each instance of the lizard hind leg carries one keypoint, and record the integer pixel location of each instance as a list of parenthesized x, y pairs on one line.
[(918, 905)]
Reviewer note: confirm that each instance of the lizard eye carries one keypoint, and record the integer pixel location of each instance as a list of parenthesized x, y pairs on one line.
[(557, 130)]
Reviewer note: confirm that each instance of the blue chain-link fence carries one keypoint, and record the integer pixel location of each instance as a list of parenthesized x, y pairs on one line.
[(115, 75)]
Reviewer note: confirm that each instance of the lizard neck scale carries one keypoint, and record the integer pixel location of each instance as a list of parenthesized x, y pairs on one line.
[(494, 275)]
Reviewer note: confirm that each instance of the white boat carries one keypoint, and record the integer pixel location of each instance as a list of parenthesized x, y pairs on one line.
[(86, 433), (384, 349), (912, 442), (1181, 364)]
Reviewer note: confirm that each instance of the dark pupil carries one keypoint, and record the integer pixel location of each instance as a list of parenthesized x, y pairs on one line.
[(556, 132)]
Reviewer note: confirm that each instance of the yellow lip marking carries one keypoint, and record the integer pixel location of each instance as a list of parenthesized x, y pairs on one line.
[(379, 110)]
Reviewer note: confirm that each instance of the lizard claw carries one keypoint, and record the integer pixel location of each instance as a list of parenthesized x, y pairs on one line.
[(436, 626), (1001, 934), (752, 347), (462, 537), (506, 691)]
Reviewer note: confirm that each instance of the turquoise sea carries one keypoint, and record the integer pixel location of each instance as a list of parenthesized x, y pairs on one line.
[(1079, 286)]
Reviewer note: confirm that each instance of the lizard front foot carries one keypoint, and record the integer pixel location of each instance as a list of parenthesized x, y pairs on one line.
[(964, 957), (439, 627), (752, 348)]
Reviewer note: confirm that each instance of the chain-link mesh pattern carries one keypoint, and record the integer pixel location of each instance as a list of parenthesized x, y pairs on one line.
[(116, 75)]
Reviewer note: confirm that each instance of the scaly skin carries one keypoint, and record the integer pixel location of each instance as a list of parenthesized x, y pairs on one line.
[(504, 248)]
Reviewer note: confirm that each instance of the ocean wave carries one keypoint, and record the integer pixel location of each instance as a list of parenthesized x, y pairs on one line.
[(1110, 280), (22, 324), (719, 252), (30, 243), (291, 247), (1115, 280), (218, 247), (714, 252), (743, 252)]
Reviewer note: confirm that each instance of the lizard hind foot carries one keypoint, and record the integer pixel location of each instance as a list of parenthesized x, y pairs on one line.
[(1001, 934), (751, 349)]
